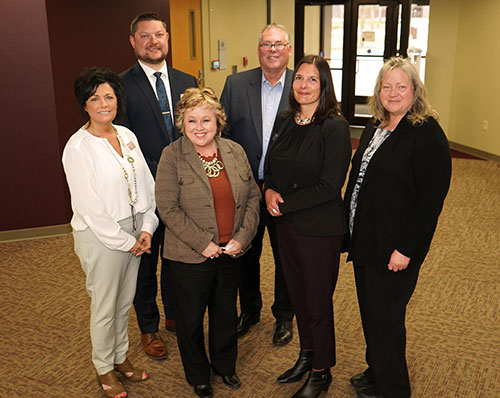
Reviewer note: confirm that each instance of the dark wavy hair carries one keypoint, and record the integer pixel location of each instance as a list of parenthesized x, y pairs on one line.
[(328, 104), (86, 85)]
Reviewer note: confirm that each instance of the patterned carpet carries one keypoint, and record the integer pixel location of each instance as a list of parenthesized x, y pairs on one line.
[(453, 319)]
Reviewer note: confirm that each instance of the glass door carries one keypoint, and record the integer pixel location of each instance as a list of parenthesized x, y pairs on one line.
[(419, 33), (355, 37), (370, 51), (324, 35), (333, 23), (376, 32)]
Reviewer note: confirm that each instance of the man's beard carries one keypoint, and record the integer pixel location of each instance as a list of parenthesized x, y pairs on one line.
[(152, 61)]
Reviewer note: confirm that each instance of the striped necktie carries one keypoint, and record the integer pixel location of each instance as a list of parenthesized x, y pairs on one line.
[(165, 108)]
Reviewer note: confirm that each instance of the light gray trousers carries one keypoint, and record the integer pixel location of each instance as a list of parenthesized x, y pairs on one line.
[(111, 283)]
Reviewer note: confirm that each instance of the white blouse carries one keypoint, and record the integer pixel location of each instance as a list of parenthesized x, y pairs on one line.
[(99, 191)]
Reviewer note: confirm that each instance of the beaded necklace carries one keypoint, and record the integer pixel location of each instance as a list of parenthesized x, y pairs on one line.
[(133, 196), (303, 121)]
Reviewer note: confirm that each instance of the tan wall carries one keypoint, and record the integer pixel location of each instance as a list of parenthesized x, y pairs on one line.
[(283, 12), (462, 70), (239, 22), (441, 56), (312, 22)]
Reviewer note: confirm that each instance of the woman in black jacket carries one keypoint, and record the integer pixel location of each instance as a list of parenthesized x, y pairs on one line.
[(306, 165), (399, 178)]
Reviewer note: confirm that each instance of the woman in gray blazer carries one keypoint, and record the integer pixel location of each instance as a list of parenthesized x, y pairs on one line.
[(209, 203)]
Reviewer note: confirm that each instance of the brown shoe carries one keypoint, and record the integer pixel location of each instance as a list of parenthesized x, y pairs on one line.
[(130, 373), (154, 345), (170, 325), (111, 387)]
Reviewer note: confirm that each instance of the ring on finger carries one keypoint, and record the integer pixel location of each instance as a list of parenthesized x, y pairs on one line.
[(211, 257), (274, 211)]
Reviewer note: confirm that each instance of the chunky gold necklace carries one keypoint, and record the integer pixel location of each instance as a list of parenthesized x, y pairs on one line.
[(212, 167)]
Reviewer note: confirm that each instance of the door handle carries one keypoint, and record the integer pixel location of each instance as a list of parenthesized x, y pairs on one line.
[(201, 78)]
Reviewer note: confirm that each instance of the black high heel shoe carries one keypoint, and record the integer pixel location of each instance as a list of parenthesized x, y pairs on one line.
[(301, 367), (316, 383)]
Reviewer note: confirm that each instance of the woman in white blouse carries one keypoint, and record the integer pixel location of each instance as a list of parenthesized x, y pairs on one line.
[(112, 197)]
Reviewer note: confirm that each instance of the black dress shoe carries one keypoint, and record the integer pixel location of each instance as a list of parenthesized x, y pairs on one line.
[(232, 381), (361, 381), (246, 320), (203, 390), (369, 392), (283, 333), (301, 367), (316, 383)]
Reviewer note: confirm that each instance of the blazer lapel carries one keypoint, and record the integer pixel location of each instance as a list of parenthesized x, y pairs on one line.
[(255, 102), (280, 127), (384, 150), (145, 87), (194, 161), (285, 102)]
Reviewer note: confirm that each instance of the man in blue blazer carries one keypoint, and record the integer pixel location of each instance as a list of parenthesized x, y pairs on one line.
[(252, 100), (151, 102)]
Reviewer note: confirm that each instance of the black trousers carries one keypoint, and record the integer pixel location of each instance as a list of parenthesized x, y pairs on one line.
[(311, 266), (383, 296), (211, 284), (148, 315), (249, 284)]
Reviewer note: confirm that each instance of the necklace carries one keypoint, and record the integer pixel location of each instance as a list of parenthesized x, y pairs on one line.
[(303, 121), (212, 167), (133, 196)]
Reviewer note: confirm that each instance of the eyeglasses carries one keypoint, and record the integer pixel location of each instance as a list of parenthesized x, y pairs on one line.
[(278, 45)]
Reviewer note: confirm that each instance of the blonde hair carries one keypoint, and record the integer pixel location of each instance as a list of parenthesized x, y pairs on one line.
[(199, 98), (420, 109)]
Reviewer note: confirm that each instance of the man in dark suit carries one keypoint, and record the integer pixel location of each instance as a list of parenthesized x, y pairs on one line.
[(153, 89), (252, 100)]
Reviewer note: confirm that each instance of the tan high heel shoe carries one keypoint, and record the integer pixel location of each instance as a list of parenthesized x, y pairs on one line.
[(110, 380), (137, 374)]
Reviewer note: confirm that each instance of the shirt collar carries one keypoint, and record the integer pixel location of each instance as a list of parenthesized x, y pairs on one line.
[(281, 80), (150, 71)]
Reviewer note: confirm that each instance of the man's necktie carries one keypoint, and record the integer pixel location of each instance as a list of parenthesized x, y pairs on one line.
[(165, 108)]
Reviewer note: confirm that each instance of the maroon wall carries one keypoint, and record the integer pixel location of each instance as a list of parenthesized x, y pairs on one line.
[(44, 46), (32, 193)]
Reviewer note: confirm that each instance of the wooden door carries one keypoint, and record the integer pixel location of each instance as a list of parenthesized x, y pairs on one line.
[(185, 37)]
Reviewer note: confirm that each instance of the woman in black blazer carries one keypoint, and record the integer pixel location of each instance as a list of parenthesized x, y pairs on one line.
[(306, 165), (399, 178)]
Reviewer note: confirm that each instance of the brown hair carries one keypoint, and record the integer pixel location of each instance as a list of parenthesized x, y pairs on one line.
[(328, 104), (145, 16)]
